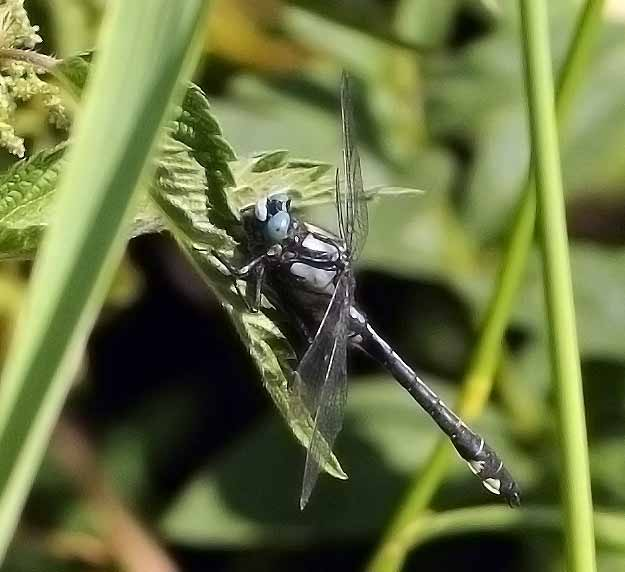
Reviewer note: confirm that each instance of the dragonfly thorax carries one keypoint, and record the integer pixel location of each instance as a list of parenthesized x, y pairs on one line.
[(318, 245)]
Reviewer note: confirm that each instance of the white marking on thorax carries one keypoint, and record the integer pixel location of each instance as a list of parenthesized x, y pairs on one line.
[(316, 278), (315, 245), (357, 315), (260, 209)]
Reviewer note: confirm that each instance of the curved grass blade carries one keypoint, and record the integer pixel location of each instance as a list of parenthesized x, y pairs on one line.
[(146, 47)]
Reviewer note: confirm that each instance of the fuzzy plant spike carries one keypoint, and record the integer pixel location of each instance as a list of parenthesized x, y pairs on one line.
[(20, 79)]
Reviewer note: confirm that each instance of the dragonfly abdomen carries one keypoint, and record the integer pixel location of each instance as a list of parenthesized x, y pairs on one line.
[(481, 458)]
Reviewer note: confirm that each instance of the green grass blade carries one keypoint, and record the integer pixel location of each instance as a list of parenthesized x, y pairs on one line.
[(147, 45), (576, 494), (537, 520)]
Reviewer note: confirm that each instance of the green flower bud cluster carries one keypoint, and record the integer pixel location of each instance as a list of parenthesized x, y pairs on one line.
[(20, 77)]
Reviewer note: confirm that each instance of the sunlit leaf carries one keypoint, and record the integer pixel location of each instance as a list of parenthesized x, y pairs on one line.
[(181, 187), (26, 204)]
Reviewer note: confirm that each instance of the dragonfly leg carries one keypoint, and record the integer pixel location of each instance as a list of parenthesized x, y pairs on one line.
[(481, 458), (259, 278), (242, 272), (253, 273)]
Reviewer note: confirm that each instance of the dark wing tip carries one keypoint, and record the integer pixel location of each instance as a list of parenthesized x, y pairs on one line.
[(307, 488)]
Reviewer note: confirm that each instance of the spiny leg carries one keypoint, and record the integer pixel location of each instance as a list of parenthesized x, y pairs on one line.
[(253, 273)]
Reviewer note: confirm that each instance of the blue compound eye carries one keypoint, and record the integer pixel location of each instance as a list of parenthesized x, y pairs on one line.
[(278, 226)]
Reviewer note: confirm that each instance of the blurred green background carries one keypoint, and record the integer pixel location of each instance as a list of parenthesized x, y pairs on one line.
[(170, 455)]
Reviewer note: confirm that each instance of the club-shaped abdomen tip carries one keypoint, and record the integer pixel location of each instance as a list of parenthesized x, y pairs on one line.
[(505, 486), (509, 489), (513, 495)]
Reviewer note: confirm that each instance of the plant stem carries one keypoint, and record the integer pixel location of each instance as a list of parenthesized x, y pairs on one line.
[(48, 63), (535, 520), (577, 500), (478, 379), (40, 60)]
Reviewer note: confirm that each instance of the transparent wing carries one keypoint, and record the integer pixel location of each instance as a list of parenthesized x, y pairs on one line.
[(350, 199), (339, 198), (321, 379)]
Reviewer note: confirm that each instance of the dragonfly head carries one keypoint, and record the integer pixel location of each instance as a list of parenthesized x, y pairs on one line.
[(272, 214)]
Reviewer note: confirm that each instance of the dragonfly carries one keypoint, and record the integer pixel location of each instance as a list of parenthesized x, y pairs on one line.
[(307, 273)]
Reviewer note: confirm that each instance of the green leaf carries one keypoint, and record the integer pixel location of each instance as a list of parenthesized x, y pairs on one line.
[(275, 172), (476, 95), (27, 193), (184, 207), (308, 183), (598, 284), (74, 70), (180, 190)]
